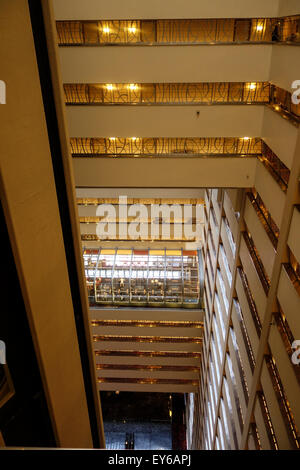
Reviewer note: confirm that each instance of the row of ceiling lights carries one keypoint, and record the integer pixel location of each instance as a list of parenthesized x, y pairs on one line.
[(132, 29)]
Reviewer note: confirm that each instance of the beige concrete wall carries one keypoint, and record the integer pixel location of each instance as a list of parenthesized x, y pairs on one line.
[(280, 135), (29, 197), (140, 193), (154, 64), (285, 66), (289, 7), (261, 240), (127, 9), (165, 172), (270, 192), (165, 121), (293, 240)]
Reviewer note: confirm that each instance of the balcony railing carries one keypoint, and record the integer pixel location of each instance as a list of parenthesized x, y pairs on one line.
[(281, 100), (245, 335), (179, 31), (239, 364), (274, 165), (220, 93), (229, 234), (265, 281), (287, 337), (165, 146), (267, 420), (264, 217), (293, 275), (283, 403), (129, 353), (167, 93), (251, 302), (255, 435)]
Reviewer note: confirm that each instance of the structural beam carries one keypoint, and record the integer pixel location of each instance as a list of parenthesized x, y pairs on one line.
[(169, 172)]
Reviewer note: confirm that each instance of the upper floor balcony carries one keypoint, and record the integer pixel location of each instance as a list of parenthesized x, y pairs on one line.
[(179, 31), (206, 93)]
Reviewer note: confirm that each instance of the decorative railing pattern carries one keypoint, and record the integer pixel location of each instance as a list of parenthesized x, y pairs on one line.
[(264, 216), (125, 352), (220, 93), (244, 332), (147, 380), (251, 302), (179, 31), (165, 146), (293, 275), (168, 93), (286, 336), (281, 100), (265, 281), (147, 339), (283, 403), (267, 420), (275, 166)]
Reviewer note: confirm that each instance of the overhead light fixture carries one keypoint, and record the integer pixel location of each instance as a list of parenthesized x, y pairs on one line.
[(259, 27), (132, 86), (112, 138), (246, 138), (252, 86), (106, 30), (133, 138), (109, 86), (132, 29)]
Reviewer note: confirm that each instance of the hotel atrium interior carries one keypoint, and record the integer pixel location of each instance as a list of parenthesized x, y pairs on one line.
[(150, 205)]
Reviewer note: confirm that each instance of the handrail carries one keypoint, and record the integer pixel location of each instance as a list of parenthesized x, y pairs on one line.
[(179, 31), (167, 93), (264, 217), (251, 303), (265, 281), (283, 402), (165, 146)]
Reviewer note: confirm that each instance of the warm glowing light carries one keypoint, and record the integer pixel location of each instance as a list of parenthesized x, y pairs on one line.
[(133, 138), (252, 86), (106, 30), (246, 138), (277, 108), (112, 138), (132, 29), (109, 86), (132, 86), (259, 27)]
